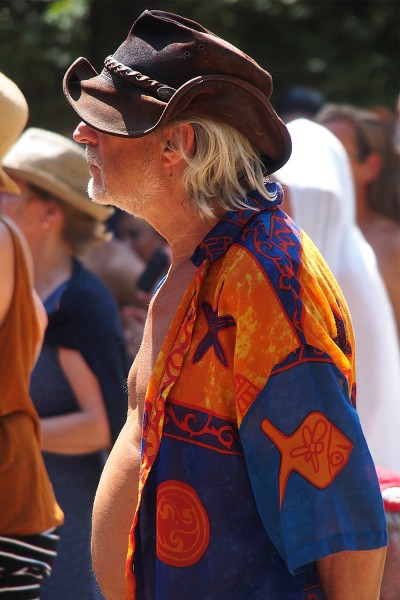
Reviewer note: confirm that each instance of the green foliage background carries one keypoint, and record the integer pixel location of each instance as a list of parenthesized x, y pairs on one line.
[(348, 49)]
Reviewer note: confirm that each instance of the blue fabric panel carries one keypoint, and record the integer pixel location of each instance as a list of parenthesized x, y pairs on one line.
[(312, 521), (240, 561)]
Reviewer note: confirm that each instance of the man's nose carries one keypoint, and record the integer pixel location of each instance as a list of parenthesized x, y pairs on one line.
[(84, 134)]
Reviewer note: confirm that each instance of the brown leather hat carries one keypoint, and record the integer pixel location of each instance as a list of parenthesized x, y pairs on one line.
[(170, 66)]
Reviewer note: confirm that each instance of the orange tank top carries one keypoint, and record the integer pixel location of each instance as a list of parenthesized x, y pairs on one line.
[(27, 502)]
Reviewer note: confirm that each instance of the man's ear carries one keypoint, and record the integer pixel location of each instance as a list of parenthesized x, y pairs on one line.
[(176, 138), (372, 166)]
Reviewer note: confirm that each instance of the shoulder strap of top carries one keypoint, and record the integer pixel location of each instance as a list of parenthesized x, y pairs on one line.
[(23, 259)]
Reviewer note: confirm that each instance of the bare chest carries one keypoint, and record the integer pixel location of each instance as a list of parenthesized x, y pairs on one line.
[(160, 315)]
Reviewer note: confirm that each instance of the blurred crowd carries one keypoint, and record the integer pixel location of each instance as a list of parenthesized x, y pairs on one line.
[(95, 270)]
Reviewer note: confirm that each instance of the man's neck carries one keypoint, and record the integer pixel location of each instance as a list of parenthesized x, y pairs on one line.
[(186, 236), (181, 225)]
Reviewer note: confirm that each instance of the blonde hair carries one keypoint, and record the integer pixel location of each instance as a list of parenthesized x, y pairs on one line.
[(223, 168)]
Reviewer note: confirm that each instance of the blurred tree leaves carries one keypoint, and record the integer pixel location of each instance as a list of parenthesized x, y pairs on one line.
[(348, 49), (65, 14), (38, 40)]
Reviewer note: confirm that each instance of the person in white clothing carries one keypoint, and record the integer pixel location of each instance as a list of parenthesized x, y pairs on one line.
[(321, 200)]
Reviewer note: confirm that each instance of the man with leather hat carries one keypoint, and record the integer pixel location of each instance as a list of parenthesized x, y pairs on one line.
[(242, 470)]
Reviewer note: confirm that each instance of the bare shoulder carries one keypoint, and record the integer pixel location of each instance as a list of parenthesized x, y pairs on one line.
[(390, 230), (5, 236), (9, 224), (384, 233), (384, 236), (389, 241), (6, 247), (6, 270)]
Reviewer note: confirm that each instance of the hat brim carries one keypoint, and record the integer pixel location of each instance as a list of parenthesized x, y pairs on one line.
[(98, 102), (127, 111), (54, 187), (7, 184)]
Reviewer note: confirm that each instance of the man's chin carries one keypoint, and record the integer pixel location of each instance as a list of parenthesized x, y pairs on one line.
[(99, 195), (96, 195)]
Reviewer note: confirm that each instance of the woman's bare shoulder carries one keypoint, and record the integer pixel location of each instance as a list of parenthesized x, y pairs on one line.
[(6, 269)]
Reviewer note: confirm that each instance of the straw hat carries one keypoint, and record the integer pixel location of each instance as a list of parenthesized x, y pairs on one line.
[(55, 164), (13, 118)]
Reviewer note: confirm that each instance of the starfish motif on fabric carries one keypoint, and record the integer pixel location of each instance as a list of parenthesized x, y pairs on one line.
[(215, 324)]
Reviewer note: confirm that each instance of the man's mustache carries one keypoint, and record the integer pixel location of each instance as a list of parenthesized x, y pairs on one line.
[(92, 158)]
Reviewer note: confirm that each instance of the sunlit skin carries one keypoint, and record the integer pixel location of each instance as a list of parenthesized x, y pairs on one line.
[(391, 578), (7, 270), (344, 131), (168, 209), (107, 186), (111, 185), (346, 575)]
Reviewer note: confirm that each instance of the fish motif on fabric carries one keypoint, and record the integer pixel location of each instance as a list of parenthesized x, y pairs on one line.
[(317, 451)]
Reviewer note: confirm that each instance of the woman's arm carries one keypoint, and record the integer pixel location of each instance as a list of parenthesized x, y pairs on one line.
[(84, 431)]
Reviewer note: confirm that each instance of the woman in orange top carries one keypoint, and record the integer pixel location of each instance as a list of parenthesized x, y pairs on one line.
[(29, 513)]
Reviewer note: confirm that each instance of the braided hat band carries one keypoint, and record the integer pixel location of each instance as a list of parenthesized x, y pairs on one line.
[(163, 91)]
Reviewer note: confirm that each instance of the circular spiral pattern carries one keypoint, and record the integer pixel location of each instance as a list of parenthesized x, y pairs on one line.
[(183, 529), (337, 459)]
